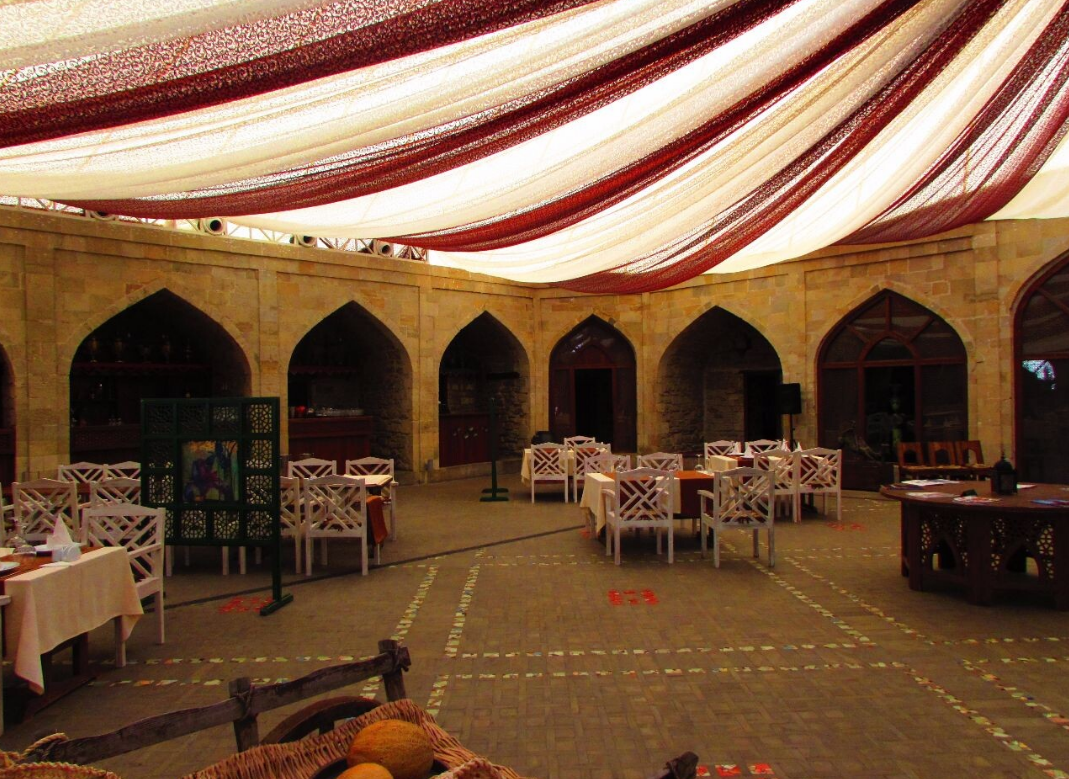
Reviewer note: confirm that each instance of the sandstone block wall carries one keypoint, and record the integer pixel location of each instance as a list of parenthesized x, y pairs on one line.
[(63, 276)]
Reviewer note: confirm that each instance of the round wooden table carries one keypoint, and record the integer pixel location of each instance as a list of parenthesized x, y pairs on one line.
[(983, 545)]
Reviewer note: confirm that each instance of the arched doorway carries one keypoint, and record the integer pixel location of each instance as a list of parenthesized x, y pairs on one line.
[(350, 391), (891, 371), (160, 347), (719, 379), (483, 361), (592, 385), (1041, 357)]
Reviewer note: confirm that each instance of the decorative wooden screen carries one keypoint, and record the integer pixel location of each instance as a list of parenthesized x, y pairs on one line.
[(213, 464)]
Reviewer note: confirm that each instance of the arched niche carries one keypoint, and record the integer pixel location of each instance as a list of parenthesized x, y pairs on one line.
[(483, 361), (592, 385), (356, 377), (1041, 360), (719, 379), (890, 371), (160, 347)]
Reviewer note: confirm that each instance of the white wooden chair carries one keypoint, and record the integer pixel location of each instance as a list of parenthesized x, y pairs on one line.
[(128, 469), (83, 473), (719, 448), (820, 472), (548, 463), (377, 466), (783, 465), (762, 445), (291, 514), (334, 507), (116, 490), (139, 529), (40, 503), (641, 498), (584, 455), (661, 461), (741, 500), (573, 441), (311, 468)]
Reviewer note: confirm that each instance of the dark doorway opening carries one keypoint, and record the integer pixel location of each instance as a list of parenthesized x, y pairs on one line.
[(890, 407), (593, 403), (762, 417)]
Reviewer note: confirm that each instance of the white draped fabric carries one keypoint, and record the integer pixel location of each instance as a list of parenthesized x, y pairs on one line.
[(320, 127)]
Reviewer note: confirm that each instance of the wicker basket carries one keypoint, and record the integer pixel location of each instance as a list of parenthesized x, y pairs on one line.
[(302, 759), (12, 767)]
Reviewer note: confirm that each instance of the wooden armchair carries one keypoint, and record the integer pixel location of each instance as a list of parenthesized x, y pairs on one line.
[(971, 457), (943, 455), (911, 462)]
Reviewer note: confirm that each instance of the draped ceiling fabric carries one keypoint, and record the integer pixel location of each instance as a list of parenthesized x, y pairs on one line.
[(601, 145)]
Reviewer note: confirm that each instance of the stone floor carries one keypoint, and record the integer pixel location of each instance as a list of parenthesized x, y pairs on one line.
[(533, 649)]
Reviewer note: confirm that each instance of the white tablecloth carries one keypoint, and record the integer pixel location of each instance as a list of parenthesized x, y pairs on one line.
[(53, 604)]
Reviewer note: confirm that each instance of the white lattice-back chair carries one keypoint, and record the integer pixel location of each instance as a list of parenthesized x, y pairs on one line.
[(128, 469), (609, 463), (139, 529), (783, 465), (661, 461), (820, 472), (583, 465), (573, 441), (378, 466), (762, 445), (7, 518), (549, 464), (334, 507), (311, 468), (40, 503), (83, 473), (742, 499), (291, 514), (722, 448), (641, 498), (116, 490)]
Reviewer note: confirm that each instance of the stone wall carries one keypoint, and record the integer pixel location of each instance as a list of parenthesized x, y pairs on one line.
[(62, 276)]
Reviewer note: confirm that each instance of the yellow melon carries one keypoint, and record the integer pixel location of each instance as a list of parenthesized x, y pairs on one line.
[(365, 771), (402, 748)]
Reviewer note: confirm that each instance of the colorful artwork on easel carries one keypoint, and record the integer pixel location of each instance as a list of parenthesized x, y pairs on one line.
[(209, 471)]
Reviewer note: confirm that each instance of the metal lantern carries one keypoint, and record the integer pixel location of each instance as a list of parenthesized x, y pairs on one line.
[(1003, 477)]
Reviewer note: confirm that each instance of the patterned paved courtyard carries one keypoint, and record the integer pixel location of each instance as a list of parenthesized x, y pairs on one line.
[(532, 648)]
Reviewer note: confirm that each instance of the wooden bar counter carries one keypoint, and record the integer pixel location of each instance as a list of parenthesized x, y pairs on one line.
[(982, 545)]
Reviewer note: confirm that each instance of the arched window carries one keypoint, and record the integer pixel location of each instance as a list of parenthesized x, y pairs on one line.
[(891, 371), (592, 385), (1041, 354)]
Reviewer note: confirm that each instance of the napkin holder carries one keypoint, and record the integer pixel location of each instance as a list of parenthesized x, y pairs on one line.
[(66, 553)]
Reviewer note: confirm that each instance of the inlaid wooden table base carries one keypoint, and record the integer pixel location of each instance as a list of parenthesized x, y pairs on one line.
[(983, 545)]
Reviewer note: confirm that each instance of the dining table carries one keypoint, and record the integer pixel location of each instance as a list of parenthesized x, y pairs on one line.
[(53, 604), (686, 503)]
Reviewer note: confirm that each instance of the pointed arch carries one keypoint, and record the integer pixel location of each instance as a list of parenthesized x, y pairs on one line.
[(718, 379), (350, 367), (483, 360), (160, 346), (592, 388), (891, 370), (1041, 374)]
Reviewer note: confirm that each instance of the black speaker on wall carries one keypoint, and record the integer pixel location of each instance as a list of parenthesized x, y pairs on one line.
[(790, 398)]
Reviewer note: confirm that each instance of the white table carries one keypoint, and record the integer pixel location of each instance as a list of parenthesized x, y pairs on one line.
[(53, 604)]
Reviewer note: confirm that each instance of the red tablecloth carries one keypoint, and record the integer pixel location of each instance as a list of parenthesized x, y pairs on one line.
[(689, 484), (377, 520)]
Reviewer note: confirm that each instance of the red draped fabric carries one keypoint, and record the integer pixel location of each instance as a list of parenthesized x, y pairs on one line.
[(749, 218), (161, 79), (989, 163), (573, 207), (414, 157)]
